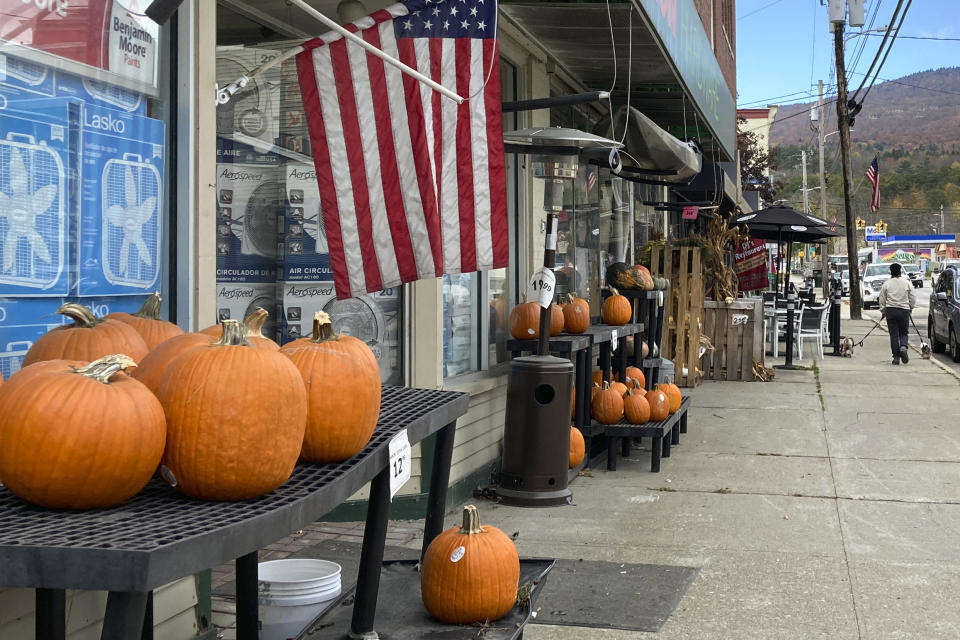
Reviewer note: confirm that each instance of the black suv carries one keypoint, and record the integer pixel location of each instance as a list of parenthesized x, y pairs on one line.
[(943, 325)]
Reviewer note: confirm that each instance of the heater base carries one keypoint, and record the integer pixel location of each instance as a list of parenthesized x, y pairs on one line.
[(519, 498)]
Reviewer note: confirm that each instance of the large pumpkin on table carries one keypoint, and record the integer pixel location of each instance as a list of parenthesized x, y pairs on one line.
[(636, 409), (556, 320), (674, 397), (576, 314), (470, 574), (343, 387), (525, 321), (254, 324), (607, 405), (616, 309), (578, 447), (78, 435), (644, 276), (235, 418), (87, 339), (151, 369), (622, 276), (659, 405), (148, 323)]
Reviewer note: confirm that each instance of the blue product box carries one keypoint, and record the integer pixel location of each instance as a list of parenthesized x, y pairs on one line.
[(305, 253), (99, 93), (28, 76), (22, 321), (249, 207), (235, 301), (121, 202), (38, 168)]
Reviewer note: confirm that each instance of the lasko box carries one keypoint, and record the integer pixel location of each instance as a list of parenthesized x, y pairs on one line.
[(22, 321)]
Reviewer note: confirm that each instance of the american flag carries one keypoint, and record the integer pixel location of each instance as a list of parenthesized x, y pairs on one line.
[(591, 179), (873, 175), (412, 185)]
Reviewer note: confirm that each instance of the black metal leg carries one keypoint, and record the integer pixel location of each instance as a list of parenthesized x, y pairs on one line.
[(371, 554), (248, 627), (147, 633), (666, 447), (605, 361), (51, 620), (582, 414), (124, 616), (625, 446), (655, 455), (683, 421), (622, 360), (675, 432), (439, 479), (611, 454)]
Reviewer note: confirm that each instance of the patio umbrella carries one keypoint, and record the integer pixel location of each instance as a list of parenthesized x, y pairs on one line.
[(792, 233)]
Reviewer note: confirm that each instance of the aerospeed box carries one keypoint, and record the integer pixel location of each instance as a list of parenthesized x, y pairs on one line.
[(372, 318), (305, 253), (121, 201), (22, 321), (38, 165), (249, 208), (235, 301)]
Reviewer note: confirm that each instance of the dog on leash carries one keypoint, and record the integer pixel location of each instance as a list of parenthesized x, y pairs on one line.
[(846, 347), (925, 351)]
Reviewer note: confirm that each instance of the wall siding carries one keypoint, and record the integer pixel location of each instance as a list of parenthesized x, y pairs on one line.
[(479, 438)]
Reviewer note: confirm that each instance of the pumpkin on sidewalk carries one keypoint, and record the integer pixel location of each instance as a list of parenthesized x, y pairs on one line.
[(578, 447), (235, 418), (343, 387), (470, 574), (78, 435)]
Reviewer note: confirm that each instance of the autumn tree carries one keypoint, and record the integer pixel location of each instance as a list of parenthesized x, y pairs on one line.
[(754, 163)]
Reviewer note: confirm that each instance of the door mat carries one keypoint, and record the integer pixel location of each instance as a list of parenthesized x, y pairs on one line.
[(611, 595)]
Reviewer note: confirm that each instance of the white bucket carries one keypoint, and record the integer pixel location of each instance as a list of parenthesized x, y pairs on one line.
[(292, 593)]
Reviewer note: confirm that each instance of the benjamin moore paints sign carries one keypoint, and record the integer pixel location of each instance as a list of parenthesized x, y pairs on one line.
[(112, 36)]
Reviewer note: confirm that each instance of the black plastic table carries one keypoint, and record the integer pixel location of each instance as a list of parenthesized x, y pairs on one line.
[(159, 535), (663, 434)]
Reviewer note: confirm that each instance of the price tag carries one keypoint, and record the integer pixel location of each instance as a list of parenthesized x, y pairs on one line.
[(613, 339), (541, 286), (399, 462), (738, 318)]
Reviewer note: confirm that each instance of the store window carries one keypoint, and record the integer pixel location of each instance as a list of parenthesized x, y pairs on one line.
[(271, 242), (85, 161)]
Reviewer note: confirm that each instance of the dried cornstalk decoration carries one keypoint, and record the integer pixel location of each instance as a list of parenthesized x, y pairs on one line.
[(762, 373), (720, 280), (706, 343)]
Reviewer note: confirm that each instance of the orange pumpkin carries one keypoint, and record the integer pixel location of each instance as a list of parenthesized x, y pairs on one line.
[(594, 390), (77, 435), (607, 405), (576, 314), (235, 418), (578, 447), (597, 377), (573, 401), (87, 339), (556, 320), (643, 274), (147, 322), (616, 309), (339, 423), (619, 387), (254, 324), (634, 373), (470, 574), (659, 405), (636, 408), (154, 365), (673, 395), (525, 321)]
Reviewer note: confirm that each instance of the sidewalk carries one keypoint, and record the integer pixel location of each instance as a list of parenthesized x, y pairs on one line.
[(824, 504)]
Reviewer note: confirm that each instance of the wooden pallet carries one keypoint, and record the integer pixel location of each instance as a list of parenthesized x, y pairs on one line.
[(735, 346), (683, 310)]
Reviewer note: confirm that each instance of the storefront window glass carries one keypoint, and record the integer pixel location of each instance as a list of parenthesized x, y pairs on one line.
[(84, 164)]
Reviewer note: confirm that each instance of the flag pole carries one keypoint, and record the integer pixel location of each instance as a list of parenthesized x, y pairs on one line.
[(413, 73)]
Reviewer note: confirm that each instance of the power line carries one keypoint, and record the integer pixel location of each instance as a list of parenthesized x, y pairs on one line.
[(918, 37), (876, 57), (889, 48), (766, 6), (807, 93), (916, 86)]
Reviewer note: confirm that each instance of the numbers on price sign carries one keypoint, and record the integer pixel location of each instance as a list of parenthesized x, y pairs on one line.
[(541, 287), (399, 461)]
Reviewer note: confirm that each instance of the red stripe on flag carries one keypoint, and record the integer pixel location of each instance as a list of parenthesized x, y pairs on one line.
[(321, 162), (358, 174), (436, 60), (389, 173), (499, 225), (421, 150), (464, 151)]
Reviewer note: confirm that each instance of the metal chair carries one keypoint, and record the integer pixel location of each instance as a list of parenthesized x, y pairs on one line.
[(812, 326)]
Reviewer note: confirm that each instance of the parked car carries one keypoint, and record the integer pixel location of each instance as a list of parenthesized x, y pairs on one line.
[(943, 325), (874, 275), (914, 274), (845, 280), (940, 266)]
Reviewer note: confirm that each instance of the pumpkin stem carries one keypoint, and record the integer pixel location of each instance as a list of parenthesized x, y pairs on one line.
[(151, 308), (606, 385), (613, 292), (232, 334), (103, 369), (322, 327), (254, 322), (471, 520), (81, 316)]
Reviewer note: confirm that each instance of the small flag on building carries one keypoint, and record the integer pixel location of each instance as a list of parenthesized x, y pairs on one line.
[(412, 185), (873, 175), (591, 179)]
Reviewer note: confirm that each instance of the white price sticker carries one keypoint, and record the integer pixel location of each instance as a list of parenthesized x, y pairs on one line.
[(613, 339), (399, 462), (738, 318), (541, 287)]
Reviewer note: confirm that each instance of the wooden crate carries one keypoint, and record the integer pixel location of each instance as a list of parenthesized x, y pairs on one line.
[(736, 346), (683, 310)]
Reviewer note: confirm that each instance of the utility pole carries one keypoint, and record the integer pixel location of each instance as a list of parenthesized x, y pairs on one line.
[(941, 220), (823, 192), (856, 294), (806, 200)]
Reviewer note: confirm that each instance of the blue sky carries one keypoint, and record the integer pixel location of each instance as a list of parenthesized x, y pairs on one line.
[(784, 47)]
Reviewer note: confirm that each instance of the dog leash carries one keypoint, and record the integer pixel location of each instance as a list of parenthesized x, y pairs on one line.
[(924, 347), (875, 325)]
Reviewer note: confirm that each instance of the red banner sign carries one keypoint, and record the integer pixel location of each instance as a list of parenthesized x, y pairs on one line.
[(690, 213), (750, 265)]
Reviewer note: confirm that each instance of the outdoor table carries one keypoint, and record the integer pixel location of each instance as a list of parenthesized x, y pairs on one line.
[(774, 315), (160, 535), (664, 434)]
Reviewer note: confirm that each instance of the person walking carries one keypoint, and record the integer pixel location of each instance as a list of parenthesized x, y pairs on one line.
[(896, 302)]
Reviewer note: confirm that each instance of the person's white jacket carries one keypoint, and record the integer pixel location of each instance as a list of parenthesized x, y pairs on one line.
[(897, 293)]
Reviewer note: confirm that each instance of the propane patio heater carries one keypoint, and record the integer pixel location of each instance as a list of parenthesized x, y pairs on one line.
[(536, 438)]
